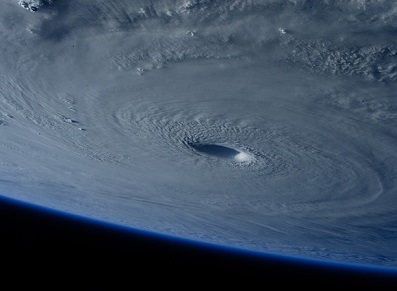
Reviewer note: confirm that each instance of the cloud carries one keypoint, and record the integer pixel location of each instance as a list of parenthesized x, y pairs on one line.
[(33, 5)]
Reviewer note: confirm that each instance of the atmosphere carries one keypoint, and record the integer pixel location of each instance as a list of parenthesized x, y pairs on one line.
[(262, 125)]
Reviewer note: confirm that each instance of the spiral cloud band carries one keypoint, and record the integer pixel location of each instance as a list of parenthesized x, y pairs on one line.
[(265, 125)]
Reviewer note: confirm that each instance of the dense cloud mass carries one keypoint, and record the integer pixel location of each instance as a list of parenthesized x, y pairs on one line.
[(266, 125), (33, 5)]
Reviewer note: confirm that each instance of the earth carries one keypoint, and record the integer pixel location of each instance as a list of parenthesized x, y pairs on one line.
[(262, 125)]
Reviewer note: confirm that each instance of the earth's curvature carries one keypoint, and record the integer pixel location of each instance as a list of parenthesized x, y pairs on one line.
[(265, 125)]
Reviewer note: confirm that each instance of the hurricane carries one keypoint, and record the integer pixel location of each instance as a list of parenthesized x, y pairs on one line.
[(257, 124)]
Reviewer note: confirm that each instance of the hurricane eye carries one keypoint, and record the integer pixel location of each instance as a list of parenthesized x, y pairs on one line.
[(216, 150)]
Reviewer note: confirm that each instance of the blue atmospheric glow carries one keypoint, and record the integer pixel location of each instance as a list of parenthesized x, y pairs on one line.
[(242, 253)]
